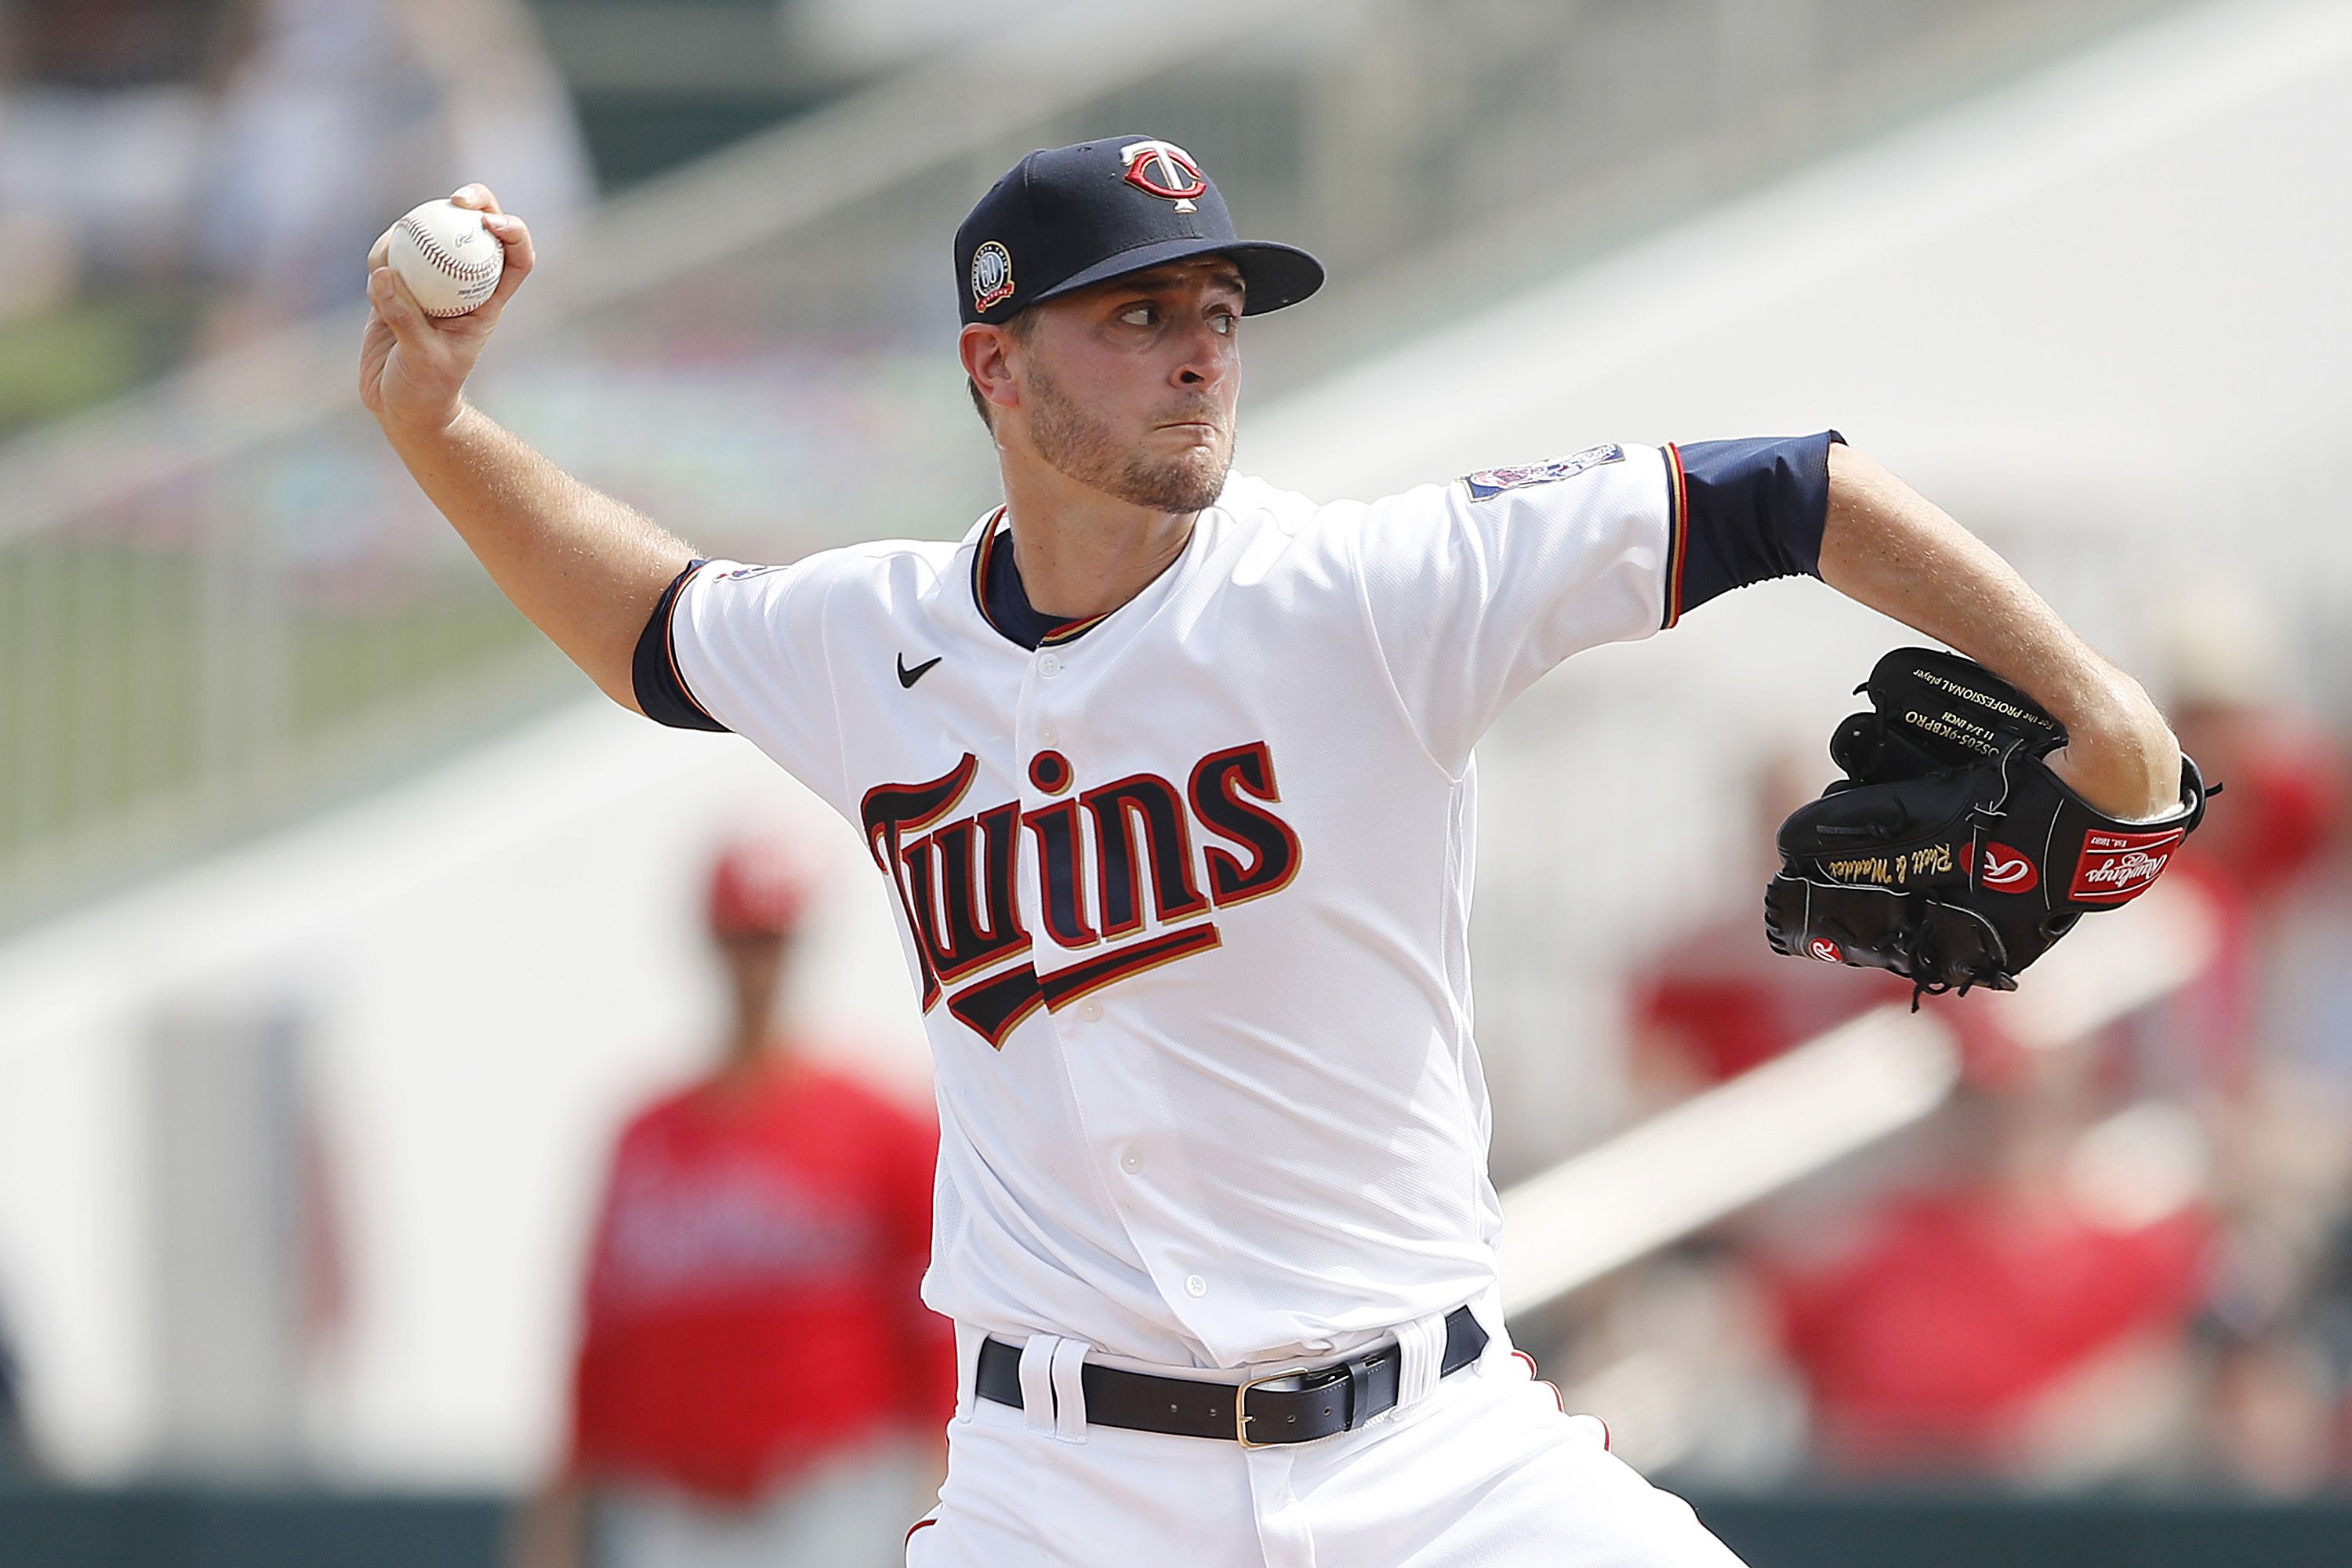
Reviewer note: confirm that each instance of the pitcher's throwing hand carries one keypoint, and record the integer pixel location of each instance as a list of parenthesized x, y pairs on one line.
[(413, 363)]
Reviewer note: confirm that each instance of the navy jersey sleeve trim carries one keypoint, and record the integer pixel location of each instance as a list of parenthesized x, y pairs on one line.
[(1742, 512), (660, 689)]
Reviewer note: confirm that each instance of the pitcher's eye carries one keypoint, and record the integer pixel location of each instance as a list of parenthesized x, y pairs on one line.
[(1224, 322), (1139, 315)]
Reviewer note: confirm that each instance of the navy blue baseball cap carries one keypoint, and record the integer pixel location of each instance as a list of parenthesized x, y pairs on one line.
[(1069, 217)]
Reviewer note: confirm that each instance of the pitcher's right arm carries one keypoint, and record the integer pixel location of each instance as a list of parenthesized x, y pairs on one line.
[(586, 569)]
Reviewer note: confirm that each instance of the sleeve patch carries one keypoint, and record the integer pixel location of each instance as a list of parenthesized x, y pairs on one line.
[(1488, 483)]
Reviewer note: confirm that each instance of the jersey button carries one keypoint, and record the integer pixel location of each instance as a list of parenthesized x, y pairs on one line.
[(1130, 1161), (1091, 1012), (1049, 736), (1195, 1286), (1048, 666)]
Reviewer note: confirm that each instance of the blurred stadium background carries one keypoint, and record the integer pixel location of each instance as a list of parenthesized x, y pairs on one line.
[(341, 923)]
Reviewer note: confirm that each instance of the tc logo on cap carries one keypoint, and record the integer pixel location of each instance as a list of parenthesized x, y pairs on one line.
[(991, 276), (1164, 170)]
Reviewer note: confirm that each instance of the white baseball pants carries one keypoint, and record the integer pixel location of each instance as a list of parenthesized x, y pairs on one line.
[(1482, 1470)]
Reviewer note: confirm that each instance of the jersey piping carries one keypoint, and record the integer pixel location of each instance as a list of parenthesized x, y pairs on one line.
[(1678, 534), (654, 677), (984, 581)]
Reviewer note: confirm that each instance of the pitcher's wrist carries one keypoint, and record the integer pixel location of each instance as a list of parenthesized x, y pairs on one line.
[(425, 432)]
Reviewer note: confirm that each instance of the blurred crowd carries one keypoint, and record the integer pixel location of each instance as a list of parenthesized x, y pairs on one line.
[(177, 176), (2122, 1261)]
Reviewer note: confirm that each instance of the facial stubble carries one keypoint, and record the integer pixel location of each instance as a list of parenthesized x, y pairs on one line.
[(1079, 445)]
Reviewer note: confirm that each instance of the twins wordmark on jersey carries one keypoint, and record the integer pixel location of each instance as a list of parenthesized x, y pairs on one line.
[(955, 881)]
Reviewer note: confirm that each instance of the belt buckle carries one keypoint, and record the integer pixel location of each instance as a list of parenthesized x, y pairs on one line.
[(1241, 1404)]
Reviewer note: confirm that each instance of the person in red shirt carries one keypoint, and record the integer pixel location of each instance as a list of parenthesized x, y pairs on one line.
[(756, 1369), (1966, 1316)]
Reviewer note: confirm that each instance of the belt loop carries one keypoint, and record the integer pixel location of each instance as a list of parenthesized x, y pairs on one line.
[(1359, 1384), (1069, 1390), (969, 1337), (1037, 1383), (1421, 1347)]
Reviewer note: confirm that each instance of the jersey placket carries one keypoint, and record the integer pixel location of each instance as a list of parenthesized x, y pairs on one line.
[(1136, 1156)]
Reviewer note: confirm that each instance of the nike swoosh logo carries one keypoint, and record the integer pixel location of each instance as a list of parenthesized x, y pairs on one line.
[(908, 678)]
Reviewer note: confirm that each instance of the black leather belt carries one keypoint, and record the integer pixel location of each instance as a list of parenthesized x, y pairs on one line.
[(1337, 1397)]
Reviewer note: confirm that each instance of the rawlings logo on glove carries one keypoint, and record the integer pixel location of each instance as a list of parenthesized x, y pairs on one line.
[(2117, 867), (1941, 854), (2006, 870)]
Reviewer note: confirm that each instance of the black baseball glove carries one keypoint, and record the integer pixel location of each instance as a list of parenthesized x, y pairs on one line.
[(1950, 853)]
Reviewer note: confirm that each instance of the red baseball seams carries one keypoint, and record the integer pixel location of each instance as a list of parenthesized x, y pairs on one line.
[(468, 272)]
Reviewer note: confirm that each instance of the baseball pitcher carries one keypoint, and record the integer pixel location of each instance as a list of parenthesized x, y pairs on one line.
[(1171, 777)]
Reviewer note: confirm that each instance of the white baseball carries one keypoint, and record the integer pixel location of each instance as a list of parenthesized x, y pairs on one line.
[(449, 261)]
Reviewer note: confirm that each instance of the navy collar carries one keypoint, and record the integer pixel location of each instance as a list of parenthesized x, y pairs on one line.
[(1003, 599)]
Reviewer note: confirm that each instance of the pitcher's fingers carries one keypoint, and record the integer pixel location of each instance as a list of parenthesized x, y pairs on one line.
[(522, 256), (399, 309), (515, 234), (477, 196), (381, 251)]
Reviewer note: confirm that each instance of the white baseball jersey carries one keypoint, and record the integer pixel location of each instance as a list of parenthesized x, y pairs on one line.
[(1186, 888)]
